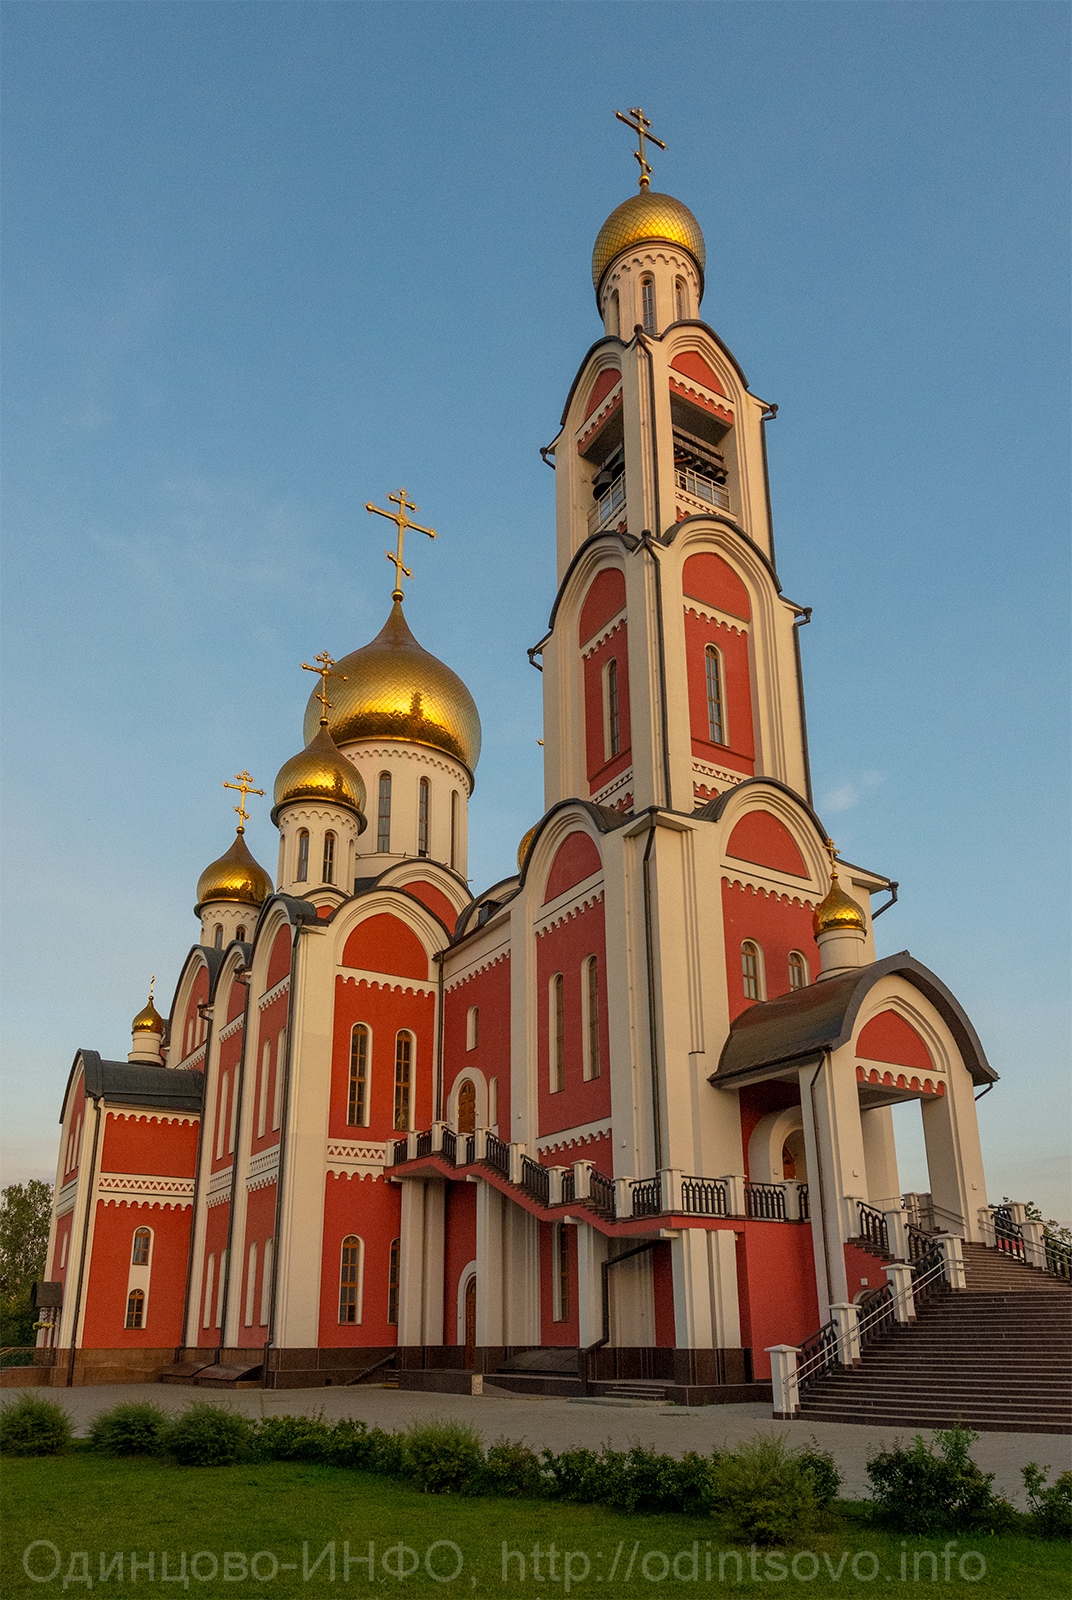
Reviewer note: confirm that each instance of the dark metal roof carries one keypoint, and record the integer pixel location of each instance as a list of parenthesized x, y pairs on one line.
[(127, 1083), (801, 1025)]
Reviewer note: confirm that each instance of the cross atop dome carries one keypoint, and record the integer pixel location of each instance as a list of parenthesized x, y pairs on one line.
[(640, 125), (402, 522)]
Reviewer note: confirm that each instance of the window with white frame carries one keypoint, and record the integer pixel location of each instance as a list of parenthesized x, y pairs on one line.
[(262, 1087), (798, 970), (716, 718), (357, 1095), (681, 300), (280, 1065), (424, 802), (210, 1279), (561, 1272), (752, 970), (612, 740), (472, 1028), (383, 814), (403, 1074), (647, 304), (301, 873), (251, 1282), (266, 1281), (557, 1033), (350, 1276), (590, 1003)]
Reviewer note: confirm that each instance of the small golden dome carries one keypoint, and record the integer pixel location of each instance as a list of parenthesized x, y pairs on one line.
[(235, 876), (148, 1019), (320, 772), (643, 218), (838, 910), (523, 847), (394, 689)]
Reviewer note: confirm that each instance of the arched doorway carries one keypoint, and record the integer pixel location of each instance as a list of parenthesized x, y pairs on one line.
[(467, 1106), (470, 1323)]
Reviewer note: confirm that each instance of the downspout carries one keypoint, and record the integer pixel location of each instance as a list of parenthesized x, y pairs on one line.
[(769, 415), (437, 1111), (605, 1266), (803, 617), (819, 1170), (197, 1183), (284, 1114), (240, 1103), (648, 543), (85, 1242), (653, 1017)]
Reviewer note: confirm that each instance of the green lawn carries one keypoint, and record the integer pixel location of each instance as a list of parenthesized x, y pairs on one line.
[(277, 1519)]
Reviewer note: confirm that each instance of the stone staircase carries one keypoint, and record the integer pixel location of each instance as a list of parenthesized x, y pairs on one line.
[(996, 1356)]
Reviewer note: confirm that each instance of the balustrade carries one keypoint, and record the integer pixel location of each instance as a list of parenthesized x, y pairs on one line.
[(703, 1197), (765, 1201)]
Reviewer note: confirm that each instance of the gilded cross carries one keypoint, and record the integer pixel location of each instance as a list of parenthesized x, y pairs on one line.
[(640, 125), (324, 672), (831, 849), (244, 784), (402, 522)]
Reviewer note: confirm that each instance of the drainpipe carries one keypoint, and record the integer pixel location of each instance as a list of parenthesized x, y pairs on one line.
[(437, 1112), (819, 1170), (647, 541), (85, 1241), (653, 1017), (197, 1183), (803, 617), (284, 1115), (240, 1102), (769, 415)]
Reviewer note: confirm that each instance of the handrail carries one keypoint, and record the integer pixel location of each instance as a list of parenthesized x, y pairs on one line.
[(497, 1154), (765, 1201), (601, 1192), (703, 1197), (819, 1352), (1058, 1257), (804, 1202), (1008, 1235), (400, 1151), (647, 1197), (375, 1367), (873, 1227), (536, 1180), (449, 1146)]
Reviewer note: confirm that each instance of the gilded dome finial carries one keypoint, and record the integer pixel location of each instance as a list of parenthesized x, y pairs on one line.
[(324, 672), (640, 125), (244, 784), (148, 1019), (837, 910), (402, 522)]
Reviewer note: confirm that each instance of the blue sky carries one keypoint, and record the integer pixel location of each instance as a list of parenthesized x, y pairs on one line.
[(267, 261)]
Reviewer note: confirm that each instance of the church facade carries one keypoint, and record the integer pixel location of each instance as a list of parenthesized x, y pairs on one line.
[(626, 1114)]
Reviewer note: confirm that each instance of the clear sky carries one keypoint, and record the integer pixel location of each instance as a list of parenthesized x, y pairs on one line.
[(267, 261)]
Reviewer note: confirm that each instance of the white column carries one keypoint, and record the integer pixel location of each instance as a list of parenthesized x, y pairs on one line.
[(591, 1253), (897, 1233), (433, 1288), (899, 1278), (784, 1379), (847, 1321), (520, 1276), (489, 1257), (953, 1260), (411, 1264), (706, 1307), (834, 1138), (880, 1153), (954, 1156)]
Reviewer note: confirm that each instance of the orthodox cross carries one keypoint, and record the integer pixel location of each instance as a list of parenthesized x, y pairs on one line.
[(402, 522), (152, 986), (324, 672), (831, 849), (244, 783), (640, 125)]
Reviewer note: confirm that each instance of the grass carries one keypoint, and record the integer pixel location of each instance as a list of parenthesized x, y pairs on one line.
[(82, 1502)]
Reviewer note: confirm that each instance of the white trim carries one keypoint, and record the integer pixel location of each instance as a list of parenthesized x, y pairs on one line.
[(622, 781), (134, 1183), (605, 630), (565, 910), (378, 980), (708, 613), (272, 994), (478, 964), (571, 1136), (468, 1271), (66, 1197), (360, 1282), (231, 1028)]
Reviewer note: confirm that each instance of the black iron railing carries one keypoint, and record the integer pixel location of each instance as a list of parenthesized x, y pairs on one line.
[(928, 1274), (400, 1151), (1008, 1235), (817, 1354), (804, 1203), (765, 1201), (569, 1186), (647, 1197), (497, 1154), (449, 1146), (918, 1242), (424, 1144), (1058, 1257), (601, 1193), (875, 1313), (703, 1197), (873, 1227), (536, 1180)]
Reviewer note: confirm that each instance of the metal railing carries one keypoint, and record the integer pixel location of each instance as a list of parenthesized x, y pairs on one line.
[(497, 1154), (876, 1312), (818, 1354), (399, 1151), (701, 487), (610, 501), (765, 1202), (873, 1227), (424, 1144), (601, 1193), (703, 1197), (1008, 1235), (804, 1202), (449, 1146), (536, 1180), (1058, 1257), (918, 1242), (647, 1197), (569, 1186)]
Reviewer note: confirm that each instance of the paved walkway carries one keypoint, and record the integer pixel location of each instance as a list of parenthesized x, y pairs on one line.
[(562, 1424)]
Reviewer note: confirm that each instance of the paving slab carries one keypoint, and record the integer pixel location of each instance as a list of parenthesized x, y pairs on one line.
[(560, 1424)]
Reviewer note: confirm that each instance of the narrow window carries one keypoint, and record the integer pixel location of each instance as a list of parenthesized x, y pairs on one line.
[(266, 1281), (357, 1102), (562, 1273), (217, 936), (422, 816), (647, 304), (383, 815), (614, 735), (136, 1308), (614, 314), (713, 670), (139, 1256), (798, 970), (240, 934), (392, 1283), (493, 1102), (328, 874), (232, 1131), (403, 1063), (262, 1088), (681, 300), (350, 1280), (467, 1107), (472, 1028), (750, 970), (251, 1283), (558, 1034), (454, 830), (225, 1262), (63, 1251), (221, 1115), (210, 1275), (280, 1063), (591, 992), (302, 874)]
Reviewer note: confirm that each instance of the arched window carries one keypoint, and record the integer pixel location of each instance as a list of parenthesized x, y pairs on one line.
[(136, 1308), (221, 1115), (752, 970), (328, 874), (266, 1281), (613, 719), (357, 1100), (472, 1028), (350, 1279), (562, 1273), (251, 1283), (217, 936), (280, 1066), (681, 300), (614, 314), (716, 722), (403, 1065), (493, 1102), (383, 815), (423, 800), (262, 1087), (557, 1021), (467, 1106), (240, 933), (392, 1282), (591, 1017), (139, 1255), (302, 873), (798, 970), (454, 829), (647, 304)]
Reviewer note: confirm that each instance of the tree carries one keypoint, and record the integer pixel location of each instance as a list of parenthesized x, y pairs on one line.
[(25, 1214)]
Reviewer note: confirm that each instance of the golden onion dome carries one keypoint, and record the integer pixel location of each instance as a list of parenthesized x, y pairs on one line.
[(320, 772), (838, 910), (148, 1019), (235, 876), (523, 847), (646, 218), (394, 689)]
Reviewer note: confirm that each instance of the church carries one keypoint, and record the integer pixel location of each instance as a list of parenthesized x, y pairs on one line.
[(621, 1119)]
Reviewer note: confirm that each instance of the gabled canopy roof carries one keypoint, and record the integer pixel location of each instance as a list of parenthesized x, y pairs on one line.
[(800, 1026), (123, 1083)]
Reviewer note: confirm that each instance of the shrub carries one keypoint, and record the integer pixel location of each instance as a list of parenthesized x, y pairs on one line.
[(33, 1427), (291, 1439), (825, 1477), (916, 1490), (128, 1430), (768, 1492), (354, 1444), (1050, 1503), (511, 1469), (571, 1475), (444, 1456), (207, 1436)]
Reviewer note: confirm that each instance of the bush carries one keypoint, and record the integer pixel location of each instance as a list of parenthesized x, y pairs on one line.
[(33, 1427), (571, 1475), (364, 1449), (511, 1469), (128, 1430), (917, 1491), (767, 1492), (291, 1439), (444, 1456), (825, 1477), (1050, 1503), (207, 1436)]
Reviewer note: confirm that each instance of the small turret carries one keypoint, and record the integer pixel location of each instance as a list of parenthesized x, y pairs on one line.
[(147, 1033), (840, 928)]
